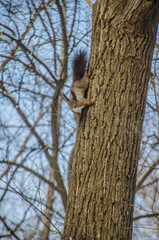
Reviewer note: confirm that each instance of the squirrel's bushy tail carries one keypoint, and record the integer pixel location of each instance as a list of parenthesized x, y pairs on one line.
[(79, 65)]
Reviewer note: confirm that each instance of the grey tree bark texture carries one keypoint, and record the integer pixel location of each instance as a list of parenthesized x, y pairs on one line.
[(102, 185)]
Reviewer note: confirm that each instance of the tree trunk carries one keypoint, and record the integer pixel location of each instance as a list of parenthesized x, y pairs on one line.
[(102, 187)]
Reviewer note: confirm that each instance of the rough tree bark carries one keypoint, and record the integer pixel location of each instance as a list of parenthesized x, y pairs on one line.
[(102, 187)]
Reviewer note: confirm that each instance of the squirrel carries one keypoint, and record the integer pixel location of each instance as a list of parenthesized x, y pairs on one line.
[(79, 87)]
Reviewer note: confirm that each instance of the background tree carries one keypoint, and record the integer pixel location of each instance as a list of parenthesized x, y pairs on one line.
[(37, 39), (37, 129)]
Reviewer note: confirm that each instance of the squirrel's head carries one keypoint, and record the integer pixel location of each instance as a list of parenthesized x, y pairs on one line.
[(74, 105)]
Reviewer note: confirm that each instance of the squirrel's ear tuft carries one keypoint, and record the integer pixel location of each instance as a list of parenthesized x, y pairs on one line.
[(66, 98), (74, 95)]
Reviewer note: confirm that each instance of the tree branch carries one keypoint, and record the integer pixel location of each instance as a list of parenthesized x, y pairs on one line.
[(27, 49), (146, 216), (152, 167), (8, 228), (19, 165), (30, 25), (90, 3)]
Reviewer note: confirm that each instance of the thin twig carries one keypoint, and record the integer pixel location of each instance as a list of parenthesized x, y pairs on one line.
[(90, 3)]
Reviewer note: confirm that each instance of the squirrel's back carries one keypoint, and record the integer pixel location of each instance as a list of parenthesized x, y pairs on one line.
[(79, 65)]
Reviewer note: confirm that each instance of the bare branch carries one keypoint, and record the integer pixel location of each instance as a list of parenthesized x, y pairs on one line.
[(19, 165), (34, 207), (30, 25), (90, 3), (12, 232), (151, 169), (146, 216), (27, 49)]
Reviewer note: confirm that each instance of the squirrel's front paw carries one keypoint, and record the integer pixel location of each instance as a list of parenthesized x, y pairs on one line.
[(92, 102), (88, 103)]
